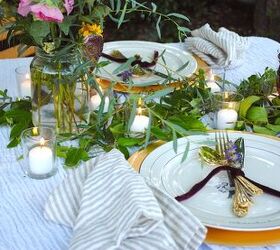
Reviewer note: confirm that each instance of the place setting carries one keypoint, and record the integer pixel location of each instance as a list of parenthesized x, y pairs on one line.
[(135, 142)]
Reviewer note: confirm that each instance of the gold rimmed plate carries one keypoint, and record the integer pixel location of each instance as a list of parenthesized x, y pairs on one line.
[(174, 59), (262, 224)]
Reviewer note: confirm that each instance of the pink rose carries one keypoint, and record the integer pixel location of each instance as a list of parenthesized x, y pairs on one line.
[(46, 13), (24, 7), (68, 5)]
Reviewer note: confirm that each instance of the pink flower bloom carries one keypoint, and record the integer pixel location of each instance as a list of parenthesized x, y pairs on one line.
[(46, 13), (68, 5), (24, 7)]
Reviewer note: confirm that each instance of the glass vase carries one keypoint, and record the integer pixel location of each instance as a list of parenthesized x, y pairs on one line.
[(59, 95)]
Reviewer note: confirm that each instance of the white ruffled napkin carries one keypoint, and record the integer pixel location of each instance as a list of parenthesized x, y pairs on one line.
[(220, 49), (109, 206)]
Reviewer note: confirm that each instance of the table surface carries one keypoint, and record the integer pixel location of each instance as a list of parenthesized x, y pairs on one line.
[(22, 225)]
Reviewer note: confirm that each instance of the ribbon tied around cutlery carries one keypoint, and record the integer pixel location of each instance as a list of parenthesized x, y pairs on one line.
[(245, 189)]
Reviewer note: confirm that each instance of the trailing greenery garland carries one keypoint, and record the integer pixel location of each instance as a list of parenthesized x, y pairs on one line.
[(173, 113)]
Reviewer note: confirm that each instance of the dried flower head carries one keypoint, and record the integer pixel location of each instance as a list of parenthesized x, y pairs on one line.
[(93, 46), (233, 156)]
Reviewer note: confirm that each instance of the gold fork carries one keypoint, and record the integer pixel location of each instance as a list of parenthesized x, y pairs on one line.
[(222, 141)]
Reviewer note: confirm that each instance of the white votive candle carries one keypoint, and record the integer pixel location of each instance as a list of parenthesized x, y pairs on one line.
[(40, 160), (95, 102), (211, 83), (226, 118), (140, 124), (25, 87)]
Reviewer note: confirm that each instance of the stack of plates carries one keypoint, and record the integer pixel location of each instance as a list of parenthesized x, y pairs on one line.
[(211, 205)]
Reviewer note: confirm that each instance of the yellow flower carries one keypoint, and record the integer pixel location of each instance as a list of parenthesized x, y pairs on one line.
[(90, 29)]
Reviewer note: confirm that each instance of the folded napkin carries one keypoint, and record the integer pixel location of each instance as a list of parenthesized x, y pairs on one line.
[(220, 49), (110, 206)]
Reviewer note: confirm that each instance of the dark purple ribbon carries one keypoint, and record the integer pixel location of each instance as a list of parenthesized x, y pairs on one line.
[(234, 172), (143, 64)]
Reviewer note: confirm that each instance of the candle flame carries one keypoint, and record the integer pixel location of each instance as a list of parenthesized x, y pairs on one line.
[(35, 131), (42, 141)]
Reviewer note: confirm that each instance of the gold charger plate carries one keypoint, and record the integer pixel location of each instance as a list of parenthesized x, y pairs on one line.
[(218, 236), (120, 87)]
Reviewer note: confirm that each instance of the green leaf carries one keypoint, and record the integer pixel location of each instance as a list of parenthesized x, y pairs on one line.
[(179, 16), (124, 66), (160, 134), (101, 11), (17, 129), (186, 152), (257, 115), (122, 15), (132, 114), (209, 155), (275, 128), (39, 30), (74, 156), (175, 142), (154, 7), (66, 24), (128, 142), (14, 142), (125, 151), (18, 115), (117, 129), (158, 27), (277, 121), (263, 130), (183, 66), (183, 29), (159, 94), (246, 104), (148, 131), (61, 151)]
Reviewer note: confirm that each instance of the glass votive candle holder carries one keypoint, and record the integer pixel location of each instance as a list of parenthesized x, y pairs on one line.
[(23, 80), (227, 107), (95, 100), (140, 122), (210, 79), (38, 145)]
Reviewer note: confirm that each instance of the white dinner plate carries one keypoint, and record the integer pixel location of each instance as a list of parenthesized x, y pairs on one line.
[(174, 59), (211, 204)]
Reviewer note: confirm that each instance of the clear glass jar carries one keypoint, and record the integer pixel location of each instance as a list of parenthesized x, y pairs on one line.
[(59, 95)]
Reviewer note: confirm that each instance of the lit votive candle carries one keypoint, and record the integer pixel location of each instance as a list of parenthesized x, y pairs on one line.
[(140, 122), (95, 102), (25, 86), (211, 83), (226, 118), (41, 160)]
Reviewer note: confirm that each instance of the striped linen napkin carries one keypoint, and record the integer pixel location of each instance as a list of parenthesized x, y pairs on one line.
[(110, 206), (220, 49)]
